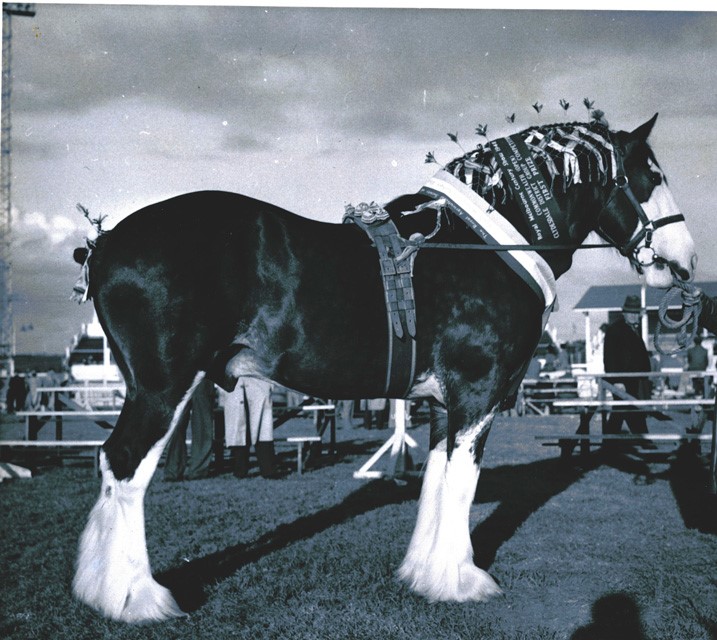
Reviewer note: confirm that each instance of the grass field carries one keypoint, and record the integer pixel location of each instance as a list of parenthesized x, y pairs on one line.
[(622, 550)]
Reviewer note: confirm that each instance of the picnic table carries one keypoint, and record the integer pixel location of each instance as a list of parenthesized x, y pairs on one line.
[(65, 405)]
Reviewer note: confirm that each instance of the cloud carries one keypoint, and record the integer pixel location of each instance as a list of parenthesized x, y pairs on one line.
[(118, 106), (54, 229), (252, 62), (42, 278)]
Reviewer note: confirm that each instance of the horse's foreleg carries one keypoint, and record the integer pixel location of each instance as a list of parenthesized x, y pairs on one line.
[(113, 572), (439, 561)]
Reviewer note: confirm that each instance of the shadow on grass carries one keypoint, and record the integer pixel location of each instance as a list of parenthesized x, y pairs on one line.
[(521, 490), (320, 457), (616, 616), (690, 482), (188, 582), (689, 479)]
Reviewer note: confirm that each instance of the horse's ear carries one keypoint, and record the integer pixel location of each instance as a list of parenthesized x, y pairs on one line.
[(644, 130)]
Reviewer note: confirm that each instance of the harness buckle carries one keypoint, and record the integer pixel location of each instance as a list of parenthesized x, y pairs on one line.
[(648, 237), (652, 256)]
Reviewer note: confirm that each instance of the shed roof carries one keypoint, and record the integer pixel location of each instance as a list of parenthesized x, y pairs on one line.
[(612, 296)]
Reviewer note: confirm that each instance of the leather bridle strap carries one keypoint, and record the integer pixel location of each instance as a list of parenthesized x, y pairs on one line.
[(631, 248)]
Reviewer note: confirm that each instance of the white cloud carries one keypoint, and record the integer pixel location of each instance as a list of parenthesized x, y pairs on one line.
[(117, 107), (37, 227)]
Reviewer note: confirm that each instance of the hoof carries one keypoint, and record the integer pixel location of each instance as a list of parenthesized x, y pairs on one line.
[(143, 601), (464, 583)]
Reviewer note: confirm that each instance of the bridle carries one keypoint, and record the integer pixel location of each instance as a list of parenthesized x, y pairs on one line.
[(639, 254)]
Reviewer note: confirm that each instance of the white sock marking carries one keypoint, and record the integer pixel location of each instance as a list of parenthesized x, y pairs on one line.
[(113, 571), (439, 561)]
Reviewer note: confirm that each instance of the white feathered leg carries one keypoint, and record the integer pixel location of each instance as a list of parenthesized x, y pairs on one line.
[(113, 572), (439, 561)]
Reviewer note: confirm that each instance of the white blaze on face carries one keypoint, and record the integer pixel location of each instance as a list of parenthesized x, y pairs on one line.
[(672, 242)]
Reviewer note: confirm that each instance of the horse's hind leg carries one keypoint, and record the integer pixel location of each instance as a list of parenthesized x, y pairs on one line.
[(439, 561), (113, 572)]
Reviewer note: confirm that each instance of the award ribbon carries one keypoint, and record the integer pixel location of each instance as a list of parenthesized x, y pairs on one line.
[(530, 190)]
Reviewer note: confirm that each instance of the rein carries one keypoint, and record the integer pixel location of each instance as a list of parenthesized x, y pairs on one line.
[(420, 243), (688, 324), (537, 205)]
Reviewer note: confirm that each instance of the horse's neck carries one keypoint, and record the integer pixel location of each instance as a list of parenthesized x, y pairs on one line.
[(580, 205)]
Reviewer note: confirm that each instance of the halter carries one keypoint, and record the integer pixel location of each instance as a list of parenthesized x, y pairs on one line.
[(632, 249)]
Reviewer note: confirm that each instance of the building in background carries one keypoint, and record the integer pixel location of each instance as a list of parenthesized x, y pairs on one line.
[(89, 358), (603, 304)]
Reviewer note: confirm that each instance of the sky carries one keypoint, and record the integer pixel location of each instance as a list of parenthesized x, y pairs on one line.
[(117, 107)]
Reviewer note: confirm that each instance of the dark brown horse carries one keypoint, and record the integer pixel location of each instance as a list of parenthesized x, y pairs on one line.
[(223, 285)]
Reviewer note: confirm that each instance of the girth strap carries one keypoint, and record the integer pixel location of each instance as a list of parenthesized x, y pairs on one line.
[(397, 277)]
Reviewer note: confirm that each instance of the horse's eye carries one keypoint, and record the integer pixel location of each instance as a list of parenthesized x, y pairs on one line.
[(656, 178)]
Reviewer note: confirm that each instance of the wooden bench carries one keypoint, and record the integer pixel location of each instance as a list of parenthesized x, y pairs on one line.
[(299, 441), (59, 444), (568, 443), (35, 420), (655, 404), (540, 394), (86, 396)]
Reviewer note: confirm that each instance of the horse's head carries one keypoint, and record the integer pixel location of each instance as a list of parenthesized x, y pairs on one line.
[(641, 217)]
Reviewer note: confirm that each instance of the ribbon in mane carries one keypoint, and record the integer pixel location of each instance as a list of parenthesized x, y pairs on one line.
[(528, 166)]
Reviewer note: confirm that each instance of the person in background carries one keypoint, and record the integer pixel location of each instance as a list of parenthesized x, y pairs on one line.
[(32, 399), (708, 315), (697, 360), (201, 408), (534, 369), (344, 413), (708, 320), (551, 359), (376, 408), (249, 420), (625, 352), (16, 394)]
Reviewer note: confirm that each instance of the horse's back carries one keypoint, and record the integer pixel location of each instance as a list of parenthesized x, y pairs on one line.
[(223, 269)]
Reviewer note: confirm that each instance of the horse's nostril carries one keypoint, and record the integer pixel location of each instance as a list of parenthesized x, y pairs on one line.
[(678, 271), (682, 274)]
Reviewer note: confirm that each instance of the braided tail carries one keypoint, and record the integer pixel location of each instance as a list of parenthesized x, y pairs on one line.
[(688, 324)]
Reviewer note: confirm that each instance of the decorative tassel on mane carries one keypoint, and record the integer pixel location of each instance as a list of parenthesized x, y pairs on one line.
[(567, 154), (80, 292)]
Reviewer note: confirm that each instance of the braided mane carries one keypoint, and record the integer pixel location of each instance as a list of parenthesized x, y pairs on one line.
[(566, 154)]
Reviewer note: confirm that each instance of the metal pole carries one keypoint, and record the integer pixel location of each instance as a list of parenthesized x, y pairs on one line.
[(7, 331)]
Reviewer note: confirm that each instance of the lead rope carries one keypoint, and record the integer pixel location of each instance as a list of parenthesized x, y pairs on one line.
[(688, 324)]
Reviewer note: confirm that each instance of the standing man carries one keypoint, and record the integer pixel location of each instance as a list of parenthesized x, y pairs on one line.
[(201, 408), (708, 320), (708, 316), (697, 360), (249, 420), (625, 352)]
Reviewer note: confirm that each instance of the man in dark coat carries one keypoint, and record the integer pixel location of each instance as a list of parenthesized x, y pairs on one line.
[(708, 320), (708, 316), (697, 360), (624, 351)]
